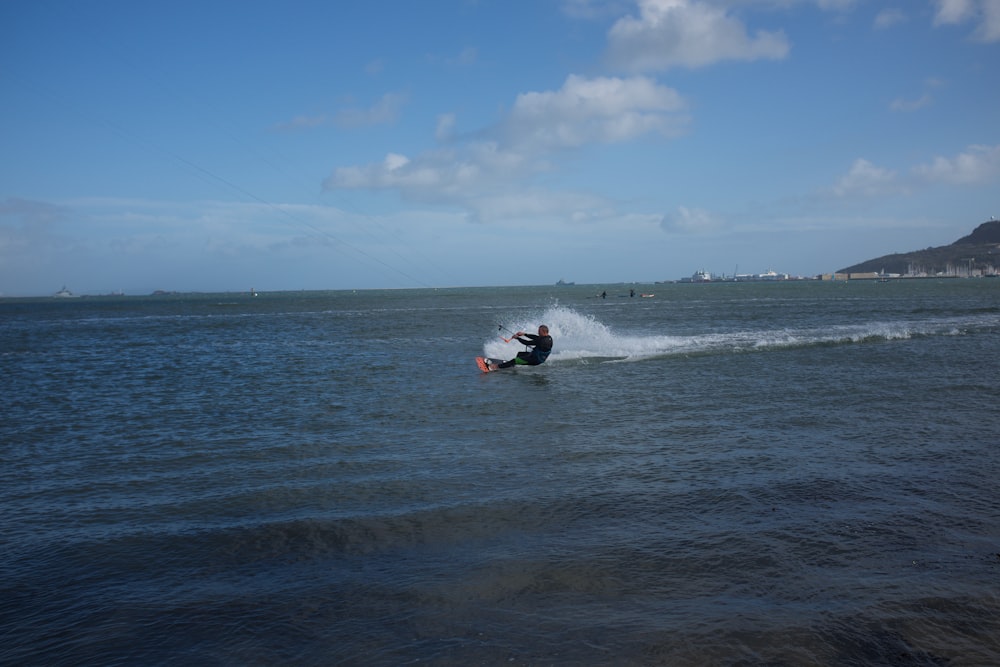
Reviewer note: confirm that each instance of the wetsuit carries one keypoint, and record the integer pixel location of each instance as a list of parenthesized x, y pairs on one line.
[(541, 347)]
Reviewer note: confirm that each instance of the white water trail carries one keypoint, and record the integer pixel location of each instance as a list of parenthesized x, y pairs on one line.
[(579, 336)]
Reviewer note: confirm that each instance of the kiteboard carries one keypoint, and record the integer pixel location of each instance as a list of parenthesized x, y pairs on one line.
[(484, 364)]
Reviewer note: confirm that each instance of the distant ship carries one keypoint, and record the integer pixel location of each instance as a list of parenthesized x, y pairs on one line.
[(767, 276), (698, 277), (564, 283), (63, 293)]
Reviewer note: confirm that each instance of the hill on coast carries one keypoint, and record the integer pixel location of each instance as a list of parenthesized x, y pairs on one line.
[(975, 254)]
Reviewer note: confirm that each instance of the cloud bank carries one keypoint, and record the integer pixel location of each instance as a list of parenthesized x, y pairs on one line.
[(683, 33), (984, 14)]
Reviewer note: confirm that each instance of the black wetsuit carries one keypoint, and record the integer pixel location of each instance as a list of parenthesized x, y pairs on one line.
[(541, 347)]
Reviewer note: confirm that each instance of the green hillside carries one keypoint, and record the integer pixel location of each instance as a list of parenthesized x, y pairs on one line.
[(975, 254)]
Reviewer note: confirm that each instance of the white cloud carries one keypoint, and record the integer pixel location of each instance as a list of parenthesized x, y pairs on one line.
[(926, 99), (385, 111), (985, 13), (953, 11), (867, 180), (888, 18), (527, 204), (686, 33), (445, 126), (599, 110), (433, 172), (394, 161), (989, 28), (900, 104), (439, 175), (489, 176), (691, 221), (467, 57), (977, 165)]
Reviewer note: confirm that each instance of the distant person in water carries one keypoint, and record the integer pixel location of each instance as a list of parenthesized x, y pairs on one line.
[(541, 346)]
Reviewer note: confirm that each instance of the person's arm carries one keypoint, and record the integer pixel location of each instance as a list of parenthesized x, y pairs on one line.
[(532, 338)]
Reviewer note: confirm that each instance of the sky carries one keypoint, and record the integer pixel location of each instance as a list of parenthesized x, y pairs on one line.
[(223, 146)]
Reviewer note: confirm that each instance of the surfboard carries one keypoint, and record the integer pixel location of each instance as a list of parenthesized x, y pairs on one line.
[(484, 363)]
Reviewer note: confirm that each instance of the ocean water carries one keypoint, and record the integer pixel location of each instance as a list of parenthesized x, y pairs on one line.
[(722, 474)]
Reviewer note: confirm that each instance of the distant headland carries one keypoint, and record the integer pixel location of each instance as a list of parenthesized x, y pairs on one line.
[(972, 256)]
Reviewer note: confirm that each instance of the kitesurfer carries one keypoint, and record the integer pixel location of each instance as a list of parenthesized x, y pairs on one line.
[(540, 344)]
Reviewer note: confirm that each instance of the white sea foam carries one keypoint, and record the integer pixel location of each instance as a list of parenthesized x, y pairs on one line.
[(580, 336)]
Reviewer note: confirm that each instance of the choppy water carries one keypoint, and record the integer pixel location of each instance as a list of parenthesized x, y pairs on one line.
[(786, 474)]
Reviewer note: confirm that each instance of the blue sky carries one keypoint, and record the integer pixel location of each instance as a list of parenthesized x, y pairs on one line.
[(219, 146)]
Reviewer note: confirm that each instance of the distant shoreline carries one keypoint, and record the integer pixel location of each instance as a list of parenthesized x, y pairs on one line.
[(824, 278)]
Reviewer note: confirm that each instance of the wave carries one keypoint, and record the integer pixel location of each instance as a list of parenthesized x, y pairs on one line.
[(584, 337)]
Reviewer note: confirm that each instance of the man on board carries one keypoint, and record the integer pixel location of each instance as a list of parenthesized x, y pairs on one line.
[(541, 347)]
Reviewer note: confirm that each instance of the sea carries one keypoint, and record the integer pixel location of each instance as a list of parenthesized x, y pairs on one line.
[(790, 473)]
